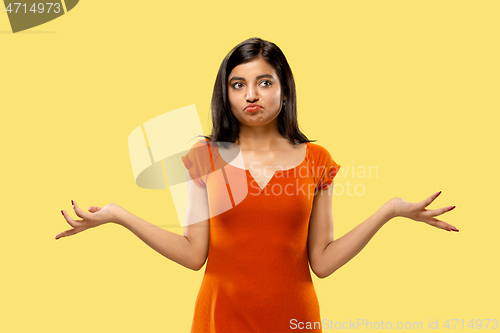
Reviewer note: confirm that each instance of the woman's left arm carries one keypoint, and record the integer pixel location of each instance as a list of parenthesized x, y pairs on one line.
[(327, 255)]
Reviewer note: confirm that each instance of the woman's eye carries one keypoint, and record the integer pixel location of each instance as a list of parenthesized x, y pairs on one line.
[(266, 83), (237, 85)]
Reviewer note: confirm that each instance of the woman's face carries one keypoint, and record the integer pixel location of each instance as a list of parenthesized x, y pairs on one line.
[(254, 93)]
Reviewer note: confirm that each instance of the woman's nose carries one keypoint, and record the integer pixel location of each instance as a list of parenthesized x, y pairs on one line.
[(252, 94)]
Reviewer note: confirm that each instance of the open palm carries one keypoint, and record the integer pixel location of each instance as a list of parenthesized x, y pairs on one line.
[(96, 217), (416, 211)]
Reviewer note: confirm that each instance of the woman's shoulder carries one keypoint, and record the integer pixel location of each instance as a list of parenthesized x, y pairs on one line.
[(316, 148), (199, 150), (320, 154)]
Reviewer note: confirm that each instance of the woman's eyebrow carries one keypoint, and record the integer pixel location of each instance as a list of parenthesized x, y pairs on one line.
[(258, 77)]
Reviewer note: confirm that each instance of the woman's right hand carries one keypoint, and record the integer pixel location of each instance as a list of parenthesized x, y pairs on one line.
[(96, 217)]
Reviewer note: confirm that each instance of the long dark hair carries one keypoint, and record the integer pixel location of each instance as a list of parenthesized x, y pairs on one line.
[(225, 126)]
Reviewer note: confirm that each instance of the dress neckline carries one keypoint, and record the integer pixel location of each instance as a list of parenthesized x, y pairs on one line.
[(275, 171)]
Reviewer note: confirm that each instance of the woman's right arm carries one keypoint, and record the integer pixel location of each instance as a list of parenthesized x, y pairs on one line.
[(190, 250)]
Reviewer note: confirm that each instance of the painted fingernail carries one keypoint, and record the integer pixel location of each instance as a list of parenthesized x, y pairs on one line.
[(451, 208), (437, 194), (73, 204), (454, 229), (62, 213)]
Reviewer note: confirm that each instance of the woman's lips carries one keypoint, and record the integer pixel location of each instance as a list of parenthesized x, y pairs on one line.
[(253, 108)]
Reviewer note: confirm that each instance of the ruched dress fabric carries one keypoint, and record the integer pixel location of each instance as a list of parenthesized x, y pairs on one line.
[(257, 277)]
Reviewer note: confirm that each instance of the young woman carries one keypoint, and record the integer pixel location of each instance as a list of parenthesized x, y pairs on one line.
[(258, 247)]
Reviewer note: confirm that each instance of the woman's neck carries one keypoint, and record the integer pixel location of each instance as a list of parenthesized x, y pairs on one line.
[(262, 142)]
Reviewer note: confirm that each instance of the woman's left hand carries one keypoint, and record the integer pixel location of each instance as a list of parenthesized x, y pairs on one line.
[(417, 211)]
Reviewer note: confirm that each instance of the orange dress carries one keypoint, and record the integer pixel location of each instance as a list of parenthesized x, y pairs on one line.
[(257, 276)]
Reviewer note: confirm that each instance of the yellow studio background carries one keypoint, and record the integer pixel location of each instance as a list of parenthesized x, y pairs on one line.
[(408, 87)]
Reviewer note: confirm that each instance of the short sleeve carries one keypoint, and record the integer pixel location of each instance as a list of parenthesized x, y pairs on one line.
[(326, 168), (197, 161)]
